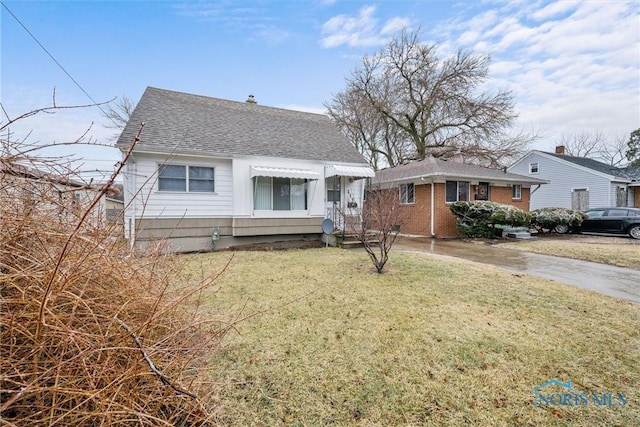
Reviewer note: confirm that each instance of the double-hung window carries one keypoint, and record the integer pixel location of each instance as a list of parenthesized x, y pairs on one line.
[(279, 194), (534, 168), (407, 193), (457, 191), (516, 192), (333, 188), (193, 179)]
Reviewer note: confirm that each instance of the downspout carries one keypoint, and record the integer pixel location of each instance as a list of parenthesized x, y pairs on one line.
[(255, 193), (363, 188), (537, 188), (433, 205), (133, 202)]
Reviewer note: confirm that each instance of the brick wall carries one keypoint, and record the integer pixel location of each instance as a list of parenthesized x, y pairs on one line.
[(417, 216)]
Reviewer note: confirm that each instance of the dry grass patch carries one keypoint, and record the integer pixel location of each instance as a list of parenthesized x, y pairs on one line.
[(605, 250), (435, 341)]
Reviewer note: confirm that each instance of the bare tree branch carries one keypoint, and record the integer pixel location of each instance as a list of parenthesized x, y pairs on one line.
[(165, 380), (119, 114), (427, 103), (378, 225)]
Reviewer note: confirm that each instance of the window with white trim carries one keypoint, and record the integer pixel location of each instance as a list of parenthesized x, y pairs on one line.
[(457, 191), (333, 188), (534, 167), (193, 179), (279, 194), (407, 194), (516, 192)]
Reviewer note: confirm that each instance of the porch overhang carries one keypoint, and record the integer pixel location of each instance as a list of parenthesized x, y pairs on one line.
[(284, 172), (352, 171)]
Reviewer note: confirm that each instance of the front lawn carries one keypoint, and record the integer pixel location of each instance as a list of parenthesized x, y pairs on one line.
[(434, 341), (619, 251)]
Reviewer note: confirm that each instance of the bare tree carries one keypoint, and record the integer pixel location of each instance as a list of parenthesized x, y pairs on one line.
[(382, 220), (434, 105), (119, 114), (614, 153), (595, 145), (582, 144), (376, 138)]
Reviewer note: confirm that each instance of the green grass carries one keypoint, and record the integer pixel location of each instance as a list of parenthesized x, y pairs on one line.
[(434, 341)]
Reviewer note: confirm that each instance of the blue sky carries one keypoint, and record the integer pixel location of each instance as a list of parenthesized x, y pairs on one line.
[(573, 66)]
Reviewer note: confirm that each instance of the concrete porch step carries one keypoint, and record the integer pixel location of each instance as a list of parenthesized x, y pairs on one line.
[(519, 235)]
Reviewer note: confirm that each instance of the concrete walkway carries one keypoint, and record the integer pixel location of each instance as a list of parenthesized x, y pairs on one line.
[(609, 280)]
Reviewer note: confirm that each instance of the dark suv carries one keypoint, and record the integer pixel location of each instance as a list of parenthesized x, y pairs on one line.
[(612, 221)]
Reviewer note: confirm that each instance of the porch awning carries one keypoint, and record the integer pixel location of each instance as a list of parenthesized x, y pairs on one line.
[(283, 172), (353, 171)]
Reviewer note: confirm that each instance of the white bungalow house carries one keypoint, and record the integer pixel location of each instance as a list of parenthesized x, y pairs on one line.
[(578, 182), (209, 172), (57, 197)]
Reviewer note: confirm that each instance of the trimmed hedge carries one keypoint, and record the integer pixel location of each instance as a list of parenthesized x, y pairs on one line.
[(550, 218), (480, 218)]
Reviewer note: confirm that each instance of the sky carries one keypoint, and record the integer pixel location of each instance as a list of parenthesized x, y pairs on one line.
[(572, 66)]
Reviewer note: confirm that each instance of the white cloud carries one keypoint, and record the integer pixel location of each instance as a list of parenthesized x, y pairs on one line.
[(361, 30), (572, 65), (254, 23), (395, 25), (553, 9), (271, 35)]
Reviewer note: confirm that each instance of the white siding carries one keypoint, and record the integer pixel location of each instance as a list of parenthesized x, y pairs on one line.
[(355, 190), (147, 200), (243, 187), (233, 197), (563, 179)]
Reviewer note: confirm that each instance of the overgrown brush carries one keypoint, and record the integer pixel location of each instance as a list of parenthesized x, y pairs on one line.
[(91, 333)]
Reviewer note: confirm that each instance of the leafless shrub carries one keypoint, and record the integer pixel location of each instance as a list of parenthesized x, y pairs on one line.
[(378, 225), (90, 332)]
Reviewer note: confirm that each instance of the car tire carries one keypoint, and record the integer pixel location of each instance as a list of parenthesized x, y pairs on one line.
[(561, 228), (635, 232)]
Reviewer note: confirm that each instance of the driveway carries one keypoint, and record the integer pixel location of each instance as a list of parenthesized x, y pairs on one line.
[(609, 280)]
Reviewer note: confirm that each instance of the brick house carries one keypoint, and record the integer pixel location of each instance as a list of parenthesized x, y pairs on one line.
[(426, 189)]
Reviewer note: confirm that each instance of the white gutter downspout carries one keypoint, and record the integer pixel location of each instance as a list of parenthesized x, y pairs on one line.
[(133, 202), (433, 205)]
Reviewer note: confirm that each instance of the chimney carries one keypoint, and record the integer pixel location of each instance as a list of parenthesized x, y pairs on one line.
[(559, 149), (458, 157), (251, 100)]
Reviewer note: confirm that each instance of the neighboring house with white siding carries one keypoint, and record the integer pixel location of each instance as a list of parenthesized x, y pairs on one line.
[(578, 182), (240, 171)]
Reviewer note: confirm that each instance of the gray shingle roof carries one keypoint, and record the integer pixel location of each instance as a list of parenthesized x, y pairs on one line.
[(592, 164), (432, 167), (177, 122)]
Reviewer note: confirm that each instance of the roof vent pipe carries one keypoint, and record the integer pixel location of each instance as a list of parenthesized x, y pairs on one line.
[(251, 100)]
